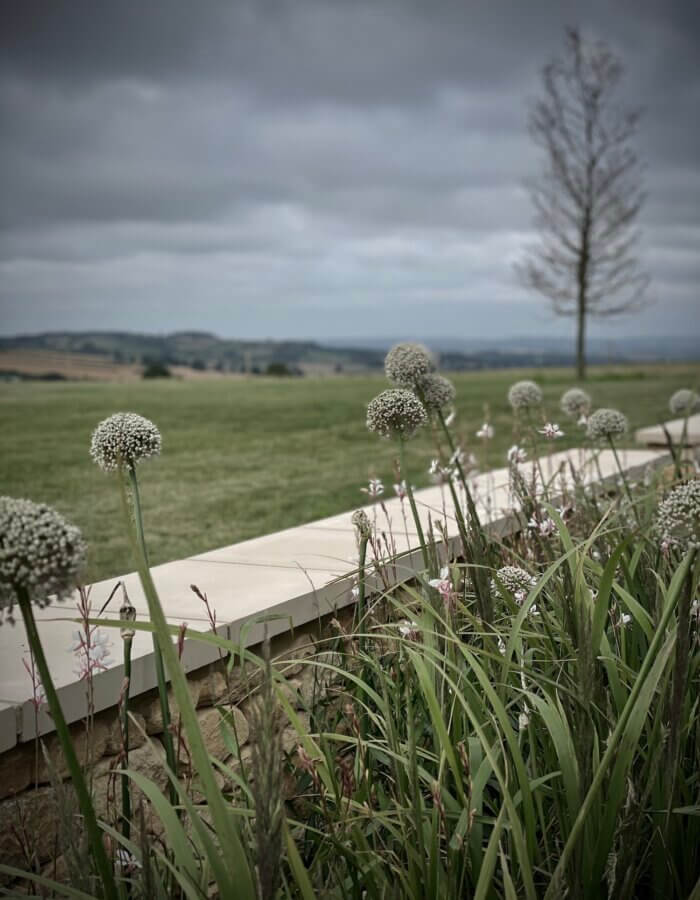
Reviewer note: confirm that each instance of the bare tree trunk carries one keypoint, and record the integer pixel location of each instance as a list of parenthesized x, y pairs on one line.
[(581, 337)]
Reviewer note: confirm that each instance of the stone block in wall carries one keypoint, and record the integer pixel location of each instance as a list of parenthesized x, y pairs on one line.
[(137, 734), (148, 706), (297, 648), (17, 769), (89, 746), (30, 819), (210, 723)]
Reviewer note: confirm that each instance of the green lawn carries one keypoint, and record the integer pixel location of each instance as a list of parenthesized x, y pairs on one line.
[(245, 457)]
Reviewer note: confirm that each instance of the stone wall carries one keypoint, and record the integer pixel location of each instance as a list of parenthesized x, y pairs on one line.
[(34, 794)]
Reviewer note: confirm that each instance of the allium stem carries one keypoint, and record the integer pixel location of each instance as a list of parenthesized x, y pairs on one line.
[(93, 829), (126, 792), (414, 509), (137, 520), (361, 581), (624, 478)]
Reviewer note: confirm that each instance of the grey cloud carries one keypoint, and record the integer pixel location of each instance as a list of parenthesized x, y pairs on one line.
[(312, 158)]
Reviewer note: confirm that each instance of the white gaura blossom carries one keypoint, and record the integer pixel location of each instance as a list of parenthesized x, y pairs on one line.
[(406, 364), (396, 413), (678, 517), (684, 402), (374, 489), (41, 555), (551, 431), (606, 423), (486, 432), (517, 454), (576, 403), (123, 440), (525, 395)]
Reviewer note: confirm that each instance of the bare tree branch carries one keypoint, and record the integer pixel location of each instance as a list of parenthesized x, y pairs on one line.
[(589, 193)]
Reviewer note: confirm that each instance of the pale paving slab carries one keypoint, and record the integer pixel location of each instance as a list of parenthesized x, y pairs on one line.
[(653, 436), (294, 576)]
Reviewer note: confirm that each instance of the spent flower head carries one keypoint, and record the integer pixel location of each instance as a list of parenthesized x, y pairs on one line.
[(40, 553), (684, 402), (678, 517), (516, 581), (525, 395), (606, 423), (406, 364), (360, 520), (124, 439), (575, 403), (396, 413), (435, 391)]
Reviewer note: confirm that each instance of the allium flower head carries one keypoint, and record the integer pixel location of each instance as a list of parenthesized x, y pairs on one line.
[(406, 364), (515, 580), (678, 517), (525, 395), (575, 403), (435, 391), (684, 402), (396, 413), (360, 520), (122, 440), (40, 552), (606, 423)]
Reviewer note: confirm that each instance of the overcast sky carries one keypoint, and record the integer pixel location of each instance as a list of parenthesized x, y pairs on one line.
[(314, 169)]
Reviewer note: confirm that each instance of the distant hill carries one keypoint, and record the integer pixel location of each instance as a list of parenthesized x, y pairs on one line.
[(114, 355)]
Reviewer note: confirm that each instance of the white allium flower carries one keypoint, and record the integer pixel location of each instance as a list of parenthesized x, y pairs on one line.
[(406, 364), (684, 402), (435, 391), (40, 552), (606, 423), (551, 431), (123, 440), (576, 403), (396, 413), (517, 454), (486, 432), (515, 581), (678, 517), (525, 395), (360, 520)]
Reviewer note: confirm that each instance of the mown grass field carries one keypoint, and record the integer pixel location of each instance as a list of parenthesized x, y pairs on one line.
[(243, 457)]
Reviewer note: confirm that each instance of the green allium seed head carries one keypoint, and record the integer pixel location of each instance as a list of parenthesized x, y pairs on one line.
[(435, 391), (122, 440), (525, 395), (678, 517), (396, 413), (575, 403), (360, 520), (606, 423), (40, 553), (514, 579), (405, 364), (684, 402)]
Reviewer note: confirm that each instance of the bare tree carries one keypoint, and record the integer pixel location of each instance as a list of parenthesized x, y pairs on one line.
[(589, 193)]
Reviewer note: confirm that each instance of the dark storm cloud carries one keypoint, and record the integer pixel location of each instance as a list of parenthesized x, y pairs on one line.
[(299, 168)]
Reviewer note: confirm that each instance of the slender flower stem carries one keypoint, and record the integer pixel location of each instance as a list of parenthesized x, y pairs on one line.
[(624, 478), (126, 793), (473, 514), (137, 520), (414, 509), (93, 829), (361, 582)]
